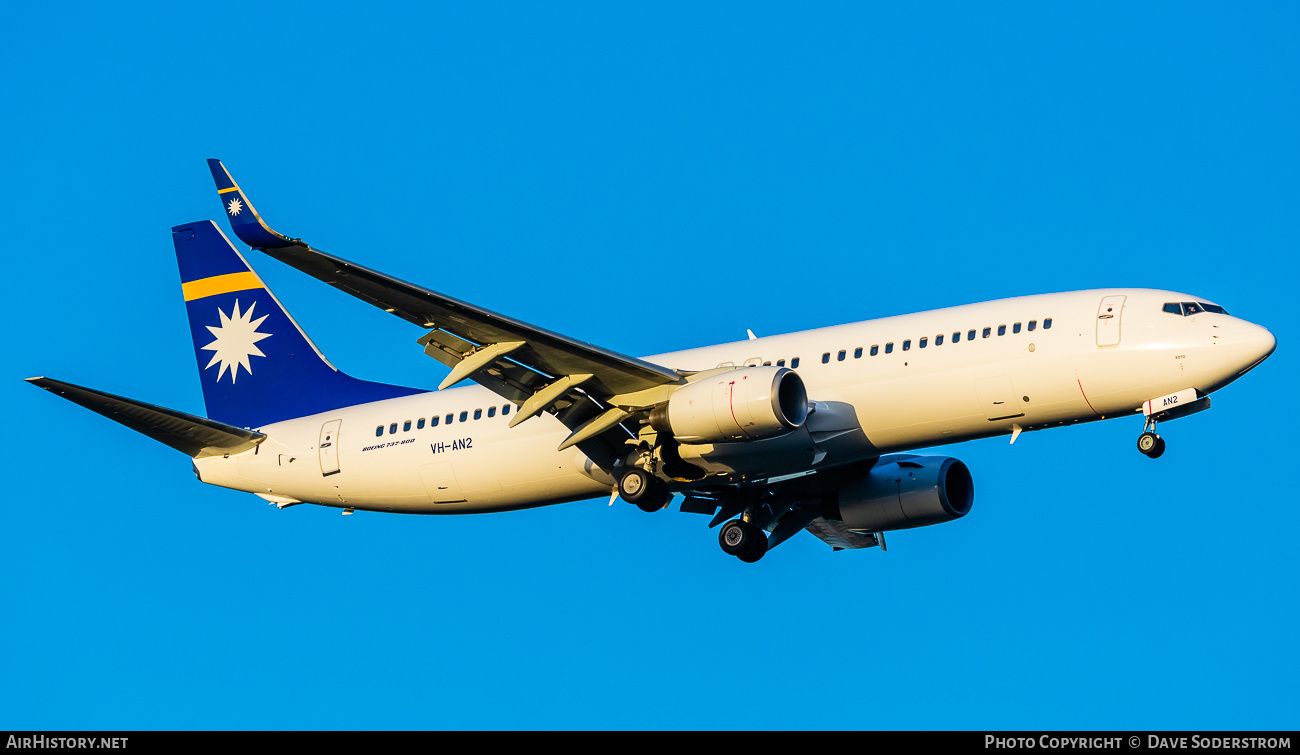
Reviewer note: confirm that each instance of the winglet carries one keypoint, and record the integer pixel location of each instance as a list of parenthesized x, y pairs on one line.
[(244, 220)]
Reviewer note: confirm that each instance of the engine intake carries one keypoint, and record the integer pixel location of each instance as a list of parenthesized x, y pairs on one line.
[(902, 492), (749, 403)]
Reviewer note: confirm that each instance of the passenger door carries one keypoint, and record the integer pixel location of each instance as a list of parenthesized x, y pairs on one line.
[(1108, 317), (329, 445)]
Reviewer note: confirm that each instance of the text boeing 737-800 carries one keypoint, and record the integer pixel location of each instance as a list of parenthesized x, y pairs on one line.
[(805, 431)]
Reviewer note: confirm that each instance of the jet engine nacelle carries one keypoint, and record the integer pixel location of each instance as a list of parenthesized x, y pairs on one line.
[(749, 403), (906, 491)]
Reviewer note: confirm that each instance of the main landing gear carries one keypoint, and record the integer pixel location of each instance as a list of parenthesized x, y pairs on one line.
[(1149, 443), (743, 540), (647, 492)]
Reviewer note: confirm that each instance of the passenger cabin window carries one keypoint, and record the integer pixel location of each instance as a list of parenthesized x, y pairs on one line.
[(857, 353), (478, 414), (392, 428), (988, 332), (1015, 328), (938, 340), (433, 421), (379, 431), (1002, 330), (1047, 323), (826, 358), (1032, 324), (419, 425), (492, 411), (970, 335), (505, 410), (794, 363), (842, 354), (875, 350), (922, 343), (464, 416), (907, 344), (956, 337), (406, 426), (780, 363), (889, 348), (449, 418)]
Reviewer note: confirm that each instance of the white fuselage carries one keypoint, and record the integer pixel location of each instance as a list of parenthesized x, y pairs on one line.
[(1085, 366)]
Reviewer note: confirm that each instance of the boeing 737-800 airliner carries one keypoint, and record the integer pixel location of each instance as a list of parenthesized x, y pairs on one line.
[(771, 436)]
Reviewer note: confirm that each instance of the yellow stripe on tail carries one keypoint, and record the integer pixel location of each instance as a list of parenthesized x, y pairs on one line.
[(220, 284)]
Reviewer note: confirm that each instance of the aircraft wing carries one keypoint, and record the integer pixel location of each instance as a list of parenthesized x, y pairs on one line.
[(458, 328), (531, 366)]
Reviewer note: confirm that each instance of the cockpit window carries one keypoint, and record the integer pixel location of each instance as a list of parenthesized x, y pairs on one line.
[(1189, 308)]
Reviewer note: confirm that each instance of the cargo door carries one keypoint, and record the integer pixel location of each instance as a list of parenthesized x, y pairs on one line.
[(440, 483), (1108, 317), (998, 398), (329, 447)]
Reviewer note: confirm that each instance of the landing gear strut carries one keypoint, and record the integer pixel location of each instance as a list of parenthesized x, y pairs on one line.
[(743, 540), (1149, 443), (648, 492)]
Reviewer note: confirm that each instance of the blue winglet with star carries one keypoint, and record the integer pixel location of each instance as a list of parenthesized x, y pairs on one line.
[(244, 220)]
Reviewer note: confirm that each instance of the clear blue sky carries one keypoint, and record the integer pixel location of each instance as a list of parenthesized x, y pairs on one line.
[(649, 178)]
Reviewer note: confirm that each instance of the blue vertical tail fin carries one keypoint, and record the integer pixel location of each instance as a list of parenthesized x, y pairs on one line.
[(255, 363)]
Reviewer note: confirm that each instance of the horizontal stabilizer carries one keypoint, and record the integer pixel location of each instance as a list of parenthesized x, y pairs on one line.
[(195, 436)]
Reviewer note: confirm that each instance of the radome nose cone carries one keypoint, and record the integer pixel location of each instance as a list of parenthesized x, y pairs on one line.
[(1258, 343)]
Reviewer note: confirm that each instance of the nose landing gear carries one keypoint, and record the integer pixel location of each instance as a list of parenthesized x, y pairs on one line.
[(1164, 409), (1149, 443)]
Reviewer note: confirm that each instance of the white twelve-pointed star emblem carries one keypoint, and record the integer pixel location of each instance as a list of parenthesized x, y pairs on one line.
[(237, 339), (235, 206)]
